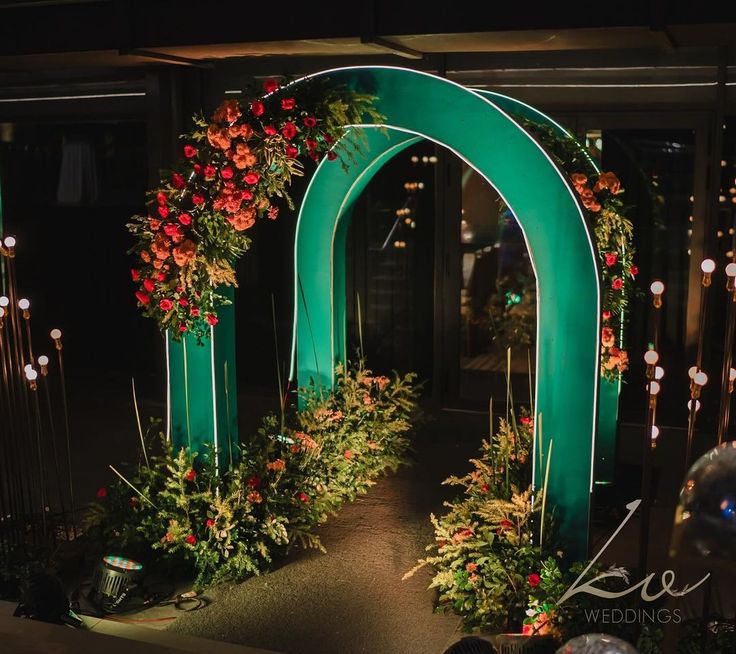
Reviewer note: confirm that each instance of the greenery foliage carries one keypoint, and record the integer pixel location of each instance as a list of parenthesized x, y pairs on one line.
[(290, 477)]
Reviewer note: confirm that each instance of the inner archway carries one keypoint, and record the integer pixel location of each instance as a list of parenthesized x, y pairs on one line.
[(487, 138)]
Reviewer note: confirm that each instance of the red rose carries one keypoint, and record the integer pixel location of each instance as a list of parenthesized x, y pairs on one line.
[(148, 285), (270, 85), (311, 144), (485, 488), (171, 229), (163, 211), (247, 195), (534, 579), (251, 178), (210, 523), (287, 104), (617, 284), (183, 302), (331, 155), (270, 130), (327, 138), (190, 151), (304, 498), (191, 540), (197, 199), (634, 271), (165, 304), (177, 180), (161, 277), (161, 198), (191, 475), (209, 171), (197, 169), (348, 455), (289, 130), (257, 108), (611, 259), (291, 151), (253, 482), (606, 315), (212, 319), (102, 492), (310, 121), (182, 328), (142, 297), (194, 311), (135, 274), (185, 218), (226, 173)]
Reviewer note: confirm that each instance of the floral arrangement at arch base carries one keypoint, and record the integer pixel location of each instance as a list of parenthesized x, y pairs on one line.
[(235, 167)]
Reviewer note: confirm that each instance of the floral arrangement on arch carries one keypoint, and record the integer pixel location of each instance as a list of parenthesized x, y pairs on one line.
[(235, 167), (601, 194)]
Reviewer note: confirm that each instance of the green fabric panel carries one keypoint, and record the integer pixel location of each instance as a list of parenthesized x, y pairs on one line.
[(560, 243), (201, 418)]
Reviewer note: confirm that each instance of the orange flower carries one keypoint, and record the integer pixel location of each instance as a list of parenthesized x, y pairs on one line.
[(308, 443), (243, 220), (184, 252), (607, 337), (254, 497), (145, 256), (246, 131), (579, 180), (348, 454), (160, 246), (218, 137), (471, 567), (608, 181), (243, 157), (228, 111), (382, 382), (276, 465)]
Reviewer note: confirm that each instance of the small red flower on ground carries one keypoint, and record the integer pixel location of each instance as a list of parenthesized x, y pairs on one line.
[(102, 492), (534, 579), (348, 454), (485, 488), (190, 151), (253, 482), (210, 523), (304, 498), (191, 540), (471, 567), (191, 475)]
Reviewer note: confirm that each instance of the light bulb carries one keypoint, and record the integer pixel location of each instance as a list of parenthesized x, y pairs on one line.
[(701, 379), (651, 357), (43, 360), (731, 269), (690, 405), (655, 432), (692, 371), (2, 312), (732, 374), (708, 266), (657, 288), (31, 374), (653, 388), (10, 242), (56, 334), (27, 367), (24, 304), (658, 372), (4, 302)]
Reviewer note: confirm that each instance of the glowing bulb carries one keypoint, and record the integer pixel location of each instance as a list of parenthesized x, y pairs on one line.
[(658, 372), (28, 366), (732, 374), (651, 357), (55, 334), (2, 312), (10, 242), (692, 372), (653, 388), (4, 302), (690, 405), (708, 266), (24, 304), (731, 269), (701, 379), (655, 432), (657, 288), (31, 374), (43, 360)]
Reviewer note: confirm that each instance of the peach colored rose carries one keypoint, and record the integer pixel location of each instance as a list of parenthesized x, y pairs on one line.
[(227, 112), (608, 181), (160, 246), (276, 465), (243, 220), (218, 137), (184, 252)]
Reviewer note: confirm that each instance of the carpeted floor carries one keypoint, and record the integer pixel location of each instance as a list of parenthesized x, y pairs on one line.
[(352, 599)]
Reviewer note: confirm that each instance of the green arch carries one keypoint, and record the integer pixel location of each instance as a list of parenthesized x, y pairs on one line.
[(561, 247)]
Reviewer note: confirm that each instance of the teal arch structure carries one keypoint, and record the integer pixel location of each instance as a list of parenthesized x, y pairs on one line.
[(480, 130)]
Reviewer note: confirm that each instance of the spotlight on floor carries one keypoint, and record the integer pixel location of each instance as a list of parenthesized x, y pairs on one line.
[(114, 580)]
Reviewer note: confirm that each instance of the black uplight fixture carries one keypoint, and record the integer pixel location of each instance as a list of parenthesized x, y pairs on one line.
[(113, 581)]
